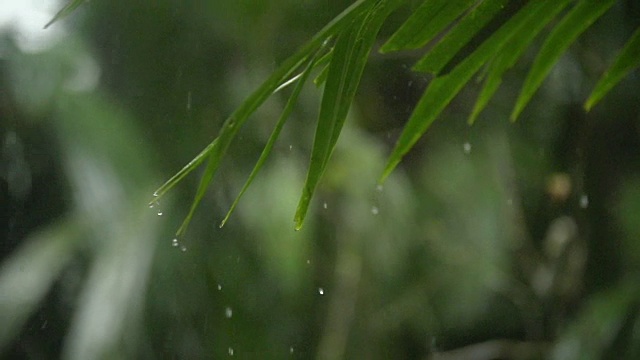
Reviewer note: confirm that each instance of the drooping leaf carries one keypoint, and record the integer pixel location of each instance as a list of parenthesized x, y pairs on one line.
[(508, 56), (459, 36), (443, 89), (626, 61), (563, 35), (65, 11), (186, 170), (293, 98), (427, 21), (232, 124), (350, 55)]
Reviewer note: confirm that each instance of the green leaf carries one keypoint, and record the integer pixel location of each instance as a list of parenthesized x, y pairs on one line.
[(231, 126), (293, 98), (459, 36), (65, 11), (584, 14), (443, 89), (350, 55), (627, 60), (175, 179), (510, 54), (426, 22)]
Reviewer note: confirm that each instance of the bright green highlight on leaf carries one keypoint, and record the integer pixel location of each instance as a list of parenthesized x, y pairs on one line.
[(426, 22), (627, 60), (584, 14), (443, 89), (66, 10), (293, 98), (459, 36)]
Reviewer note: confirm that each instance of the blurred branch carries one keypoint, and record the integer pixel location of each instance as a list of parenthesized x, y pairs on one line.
[(496, 349)]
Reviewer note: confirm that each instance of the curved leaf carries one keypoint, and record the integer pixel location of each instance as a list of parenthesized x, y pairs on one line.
[(349, 57), (293, 98), (510, 54), (459, 36), (232, 124), (443, 89), (426, 22), (572, 25), (627, 60)]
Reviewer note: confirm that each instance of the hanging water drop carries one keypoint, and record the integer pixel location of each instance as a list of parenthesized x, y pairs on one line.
[(228, 312)]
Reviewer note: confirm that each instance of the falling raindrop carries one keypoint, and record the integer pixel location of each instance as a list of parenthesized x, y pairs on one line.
[(228, 312), (324, 205), (291, 350), (175, 242), (219, 287), (466, 147), (321, 291), (584, 201), (509, 202), (230, 351), (374, 210), (189, 100), (308, 262), (290, 147), (159, 213), (379, 187), (183, 248)]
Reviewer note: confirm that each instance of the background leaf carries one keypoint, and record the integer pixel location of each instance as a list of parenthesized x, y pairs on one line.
[(65, 11)]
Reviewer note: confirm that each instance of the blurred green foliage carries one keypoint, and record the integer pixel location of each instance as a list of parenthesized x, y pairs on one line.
[(495, 241)]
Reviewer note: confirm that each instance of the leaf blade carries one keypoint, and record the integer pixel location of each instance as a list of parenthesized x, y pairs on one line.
[(349, 58), (65, 11), (627, 60), (443, 89), (427, 21), (579, 18), (458, 37), (274, 136)]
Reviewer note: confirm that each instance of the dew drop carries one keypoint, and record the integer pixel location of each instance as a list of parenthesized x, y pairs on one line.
[(228, 312), (321, 291), (375, 210), (466, 147), (584, 201), (175, 242), (230, 351)]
